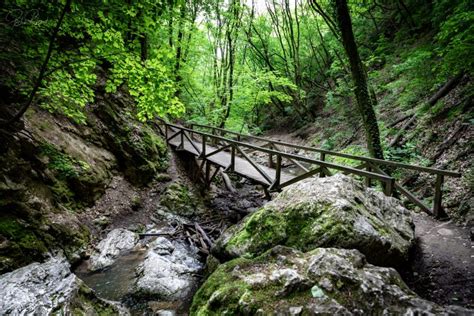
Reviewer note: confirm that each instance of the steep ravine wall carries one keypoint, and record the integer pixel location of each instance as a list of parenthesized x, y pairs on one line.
[(52, 169)]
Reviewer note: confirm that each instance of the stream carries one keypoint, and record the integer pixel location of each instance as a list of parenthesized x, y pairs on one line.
[(115, 282), (118, 282)]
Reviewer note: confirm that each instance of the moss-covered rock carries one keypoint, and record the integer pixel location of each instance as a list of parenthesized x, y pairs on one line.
[(179, 199), (325, 212), (324, 281), (141, 153), (27, 236), (74, 181)]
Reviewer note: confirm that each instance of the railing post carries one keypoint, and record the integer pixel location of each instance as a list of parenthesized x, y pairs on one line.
[(437, 206), (213, 132), (368, 180), (203, 150), (388, 190), (232, 158), (182, 139), (208, 173), (276, 182), (270, 156), (166, 132), (322, 158), (191, 134)]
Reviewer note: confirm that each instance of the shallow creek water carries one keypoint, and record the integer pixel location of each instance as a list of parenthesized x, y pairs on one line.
[(114, 282)]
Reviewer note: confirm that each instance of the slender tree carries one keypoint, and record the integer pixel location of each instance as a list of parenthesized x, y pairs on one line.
[(359, 77)]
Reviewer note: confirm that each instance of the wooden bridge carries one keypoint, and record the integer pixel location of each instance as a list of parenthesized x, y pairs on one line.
[(232, 151)]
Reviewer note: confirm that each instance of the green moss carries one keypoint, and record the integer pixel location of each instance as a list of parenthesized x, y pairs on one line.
[(64, 166), (29, 239), (154, 143), (62, 193), (266, 228), (23, 242), (225, 293), (221, 292), (163, 177), (178, 199), (86, 302), (292, 227)]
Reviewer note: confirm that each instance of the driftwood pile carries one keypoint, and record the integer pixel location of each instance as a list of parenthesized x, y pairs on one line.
[(202, 234)]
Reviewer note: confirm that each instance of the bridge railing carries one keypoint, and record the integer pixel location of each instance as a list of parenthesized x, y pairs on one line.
[(370, 168), (221, 143)]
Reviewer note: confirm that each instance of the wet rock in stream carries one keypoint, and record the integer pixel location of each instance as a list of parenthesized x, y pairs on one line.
[(50, 287), (117, 242), (158, 270), (169, 270)]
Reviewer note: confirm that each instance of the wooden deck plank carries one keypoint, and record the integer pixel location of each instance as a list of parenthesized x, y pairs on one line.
[(222, 158)]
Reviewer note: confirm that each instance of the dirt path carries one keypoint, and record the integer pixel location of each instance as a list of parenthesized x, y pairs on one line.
[(443, 269)]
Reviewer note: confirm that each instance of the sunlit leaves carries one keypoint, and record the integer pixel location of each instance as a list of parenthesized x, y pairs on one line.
[(68, 92), (151, 84)]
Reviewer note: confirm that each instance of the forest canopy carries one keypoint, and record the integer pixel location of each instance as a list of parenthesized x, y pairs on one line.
[(244, 65)]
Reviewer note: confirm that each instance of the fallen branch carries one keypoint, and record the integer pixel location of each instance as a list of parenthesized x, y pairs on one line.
[(450, 141), (402, 130), (227, 182), (141, 236), (403, 118), (444, 90), (203, 234)]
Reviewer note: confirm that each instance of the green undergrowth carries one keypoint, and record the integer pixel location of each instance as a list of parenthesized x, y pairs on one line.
[(66, 169), (65, 166)]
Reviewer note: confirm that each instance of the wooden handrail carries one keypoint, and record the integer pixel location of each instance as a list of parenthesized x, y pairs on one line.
[(372, 165), (343, 155), (330, 165)]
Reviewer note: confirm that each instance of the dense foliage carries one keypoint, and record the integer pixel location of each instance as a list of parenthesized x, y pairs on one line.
[(246, 65)]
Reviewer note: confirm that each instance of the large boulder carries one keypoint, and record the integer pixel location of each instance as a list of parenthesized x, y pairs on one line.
[(325, 281), (325, 212), (107, 251), (169, 271), (47, 288)]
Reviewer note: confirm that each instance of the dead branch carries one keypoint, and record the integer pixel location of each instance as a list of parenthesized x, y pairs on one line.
[(203, 234), (402, 130), (450, 141), (227, 182), (445, 89)]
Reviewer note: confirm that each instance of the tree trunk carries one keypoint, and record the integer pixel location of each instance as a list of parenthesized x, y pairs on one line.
[(144, 47), (179, 44), (359, 77)]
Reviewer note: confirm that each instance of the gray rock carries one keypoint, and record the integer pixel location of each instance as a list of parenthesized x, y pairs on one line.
[(324, 281), (334, 211), (41, 288), (169, 270), (117, 242)]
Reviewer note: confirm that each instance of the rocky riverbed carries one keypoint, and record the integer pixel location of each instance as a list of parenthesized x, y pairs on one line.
[(324, 246)]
